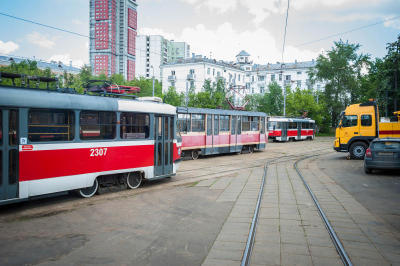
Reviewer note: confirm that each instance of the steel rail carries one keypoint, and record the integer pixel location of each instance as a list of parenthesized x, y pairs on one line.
[(336, 241), (250, 240)]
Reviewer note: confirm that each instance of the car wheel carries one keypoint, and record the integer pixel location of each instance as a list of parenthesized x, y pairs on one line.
[(367, 170), (357, 150)]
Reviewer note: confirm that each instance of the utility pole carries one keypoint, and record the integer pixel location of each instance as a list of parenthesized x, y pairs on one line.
[(153, 79)]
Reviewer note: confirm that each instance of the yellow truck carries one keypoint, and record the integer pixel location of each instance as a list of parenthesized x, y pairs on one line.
[(359, 125)]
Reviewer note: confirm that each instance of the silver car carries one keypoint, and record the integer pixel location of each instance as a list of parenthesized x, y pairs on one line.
[(382, 154)]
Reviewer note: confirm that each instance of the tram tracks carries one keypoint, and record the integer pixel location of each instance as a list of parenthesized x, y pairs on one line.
[(252, 233)]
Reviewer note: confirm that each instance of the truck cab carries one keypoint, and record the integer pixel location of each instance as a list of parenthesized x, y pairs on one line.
[(358, 126)]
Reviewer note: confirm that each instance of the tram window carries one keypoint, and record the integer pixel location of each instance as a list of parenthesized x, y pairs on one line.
[(262, 125), (12, 127), (171, 128), (1, 134), (224, 123), (51, 125), (184, 122), (1, 168), (135, 126), (209, 125), (198, 123), (216, 125), (246, 123), (292, 125), (166, 127), (233, 128), (239, 125), (97, 125), (254, 123)]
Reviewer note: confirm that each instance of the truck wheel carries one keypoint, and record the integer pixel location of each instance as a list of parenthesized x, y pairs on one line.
[(357, 150)]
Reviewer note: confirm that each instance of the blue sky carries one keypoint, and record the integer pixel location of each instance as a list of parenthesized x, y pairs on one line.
[(216, 28)]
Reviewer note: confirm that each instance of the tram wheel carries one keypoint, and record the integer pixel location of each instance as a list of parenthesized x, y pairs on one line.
[(133, 180), (195, 155), (251, 149), (89, 191)]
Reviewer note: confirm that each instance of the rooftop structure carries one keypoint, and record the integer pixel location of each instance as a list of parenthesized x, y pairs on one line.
[(55, 67)]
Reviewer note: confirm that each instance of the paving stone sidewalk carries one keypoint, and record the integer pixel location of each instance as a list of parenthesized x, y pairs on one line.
[(290, 230), (368, 240)]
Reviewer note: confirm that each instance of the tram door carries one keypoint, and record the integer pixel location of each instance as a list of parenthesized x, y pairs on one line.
[(8, 154), (233, 141), (299, 126), (284, 129), (163, 149), (209, 137)]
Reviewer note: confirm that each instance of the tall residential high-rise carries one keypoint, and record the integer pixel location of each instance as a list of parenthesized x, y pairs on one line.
[(152, 51), (113, 30)]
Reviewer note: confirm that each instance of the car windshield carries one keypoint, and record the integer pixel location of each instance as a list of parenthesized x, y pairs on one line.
[(386, 145)]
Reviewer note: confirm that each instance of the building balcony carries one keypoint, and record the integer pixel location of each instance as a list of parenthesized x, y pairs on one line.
[(191, 77)]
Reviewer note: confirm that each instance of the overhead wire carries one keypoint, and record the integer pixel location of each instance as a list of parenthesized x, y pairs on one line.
[(348, 31), (284, 34)]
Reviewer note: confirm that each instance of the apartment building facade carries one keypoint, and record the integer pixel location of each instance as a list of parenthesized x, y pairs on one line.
[(152, 51), (113, 30)]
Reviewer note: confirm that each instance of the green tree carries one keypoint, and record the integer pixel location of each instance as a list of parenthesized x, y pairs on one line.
[(146, 87), (271, 103), (341, 70), (173, 97)]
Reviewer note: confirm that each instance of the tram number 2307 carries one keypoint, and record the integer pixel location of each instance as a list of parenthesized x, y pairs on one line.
[(98, 152)]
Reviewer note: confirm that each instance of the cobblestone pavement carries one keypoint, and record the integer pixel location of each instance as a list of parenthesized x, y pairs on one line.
[(203, 216)]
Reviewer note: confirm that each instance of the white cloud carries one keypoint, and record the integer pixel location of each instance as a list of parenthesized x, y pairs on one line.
[(40, 40), (220, 6), (395, 23), (8, 47), (77, 22), (156, 31), (224, 42), (66, 59), (261, 9)]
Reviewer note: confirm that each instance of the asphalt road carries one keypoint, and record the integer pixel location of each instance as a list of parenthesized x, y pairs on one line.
[(378, 192)]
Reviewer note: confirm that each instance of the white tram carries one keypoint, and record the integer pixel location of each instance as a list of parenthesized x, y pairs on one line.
[(52, 142)]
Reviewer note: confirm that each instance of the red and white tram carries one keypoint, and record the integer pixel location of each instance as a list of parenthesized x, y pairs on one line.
[(215, 131), (287, 129), (52, 142)]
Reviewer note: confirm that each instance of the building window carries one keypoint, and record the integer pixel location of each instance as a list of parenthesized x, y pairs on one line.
[(172, 72), (299, 84), (51, 125), (261, 89), (135, 126), (213, 71), (298, 72), (191, 71), (273, 77), (208, 71), (239, 77), (280, 77), (252, 78), (97, 125), (287, 77), (261, 78)]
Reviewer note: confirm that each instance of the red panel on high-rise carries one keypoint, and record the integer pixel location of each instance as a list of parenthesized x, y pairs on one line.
[(101, 64), (131, 41), (101, 36), (130, 69), (101, 9), (132, 18)]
